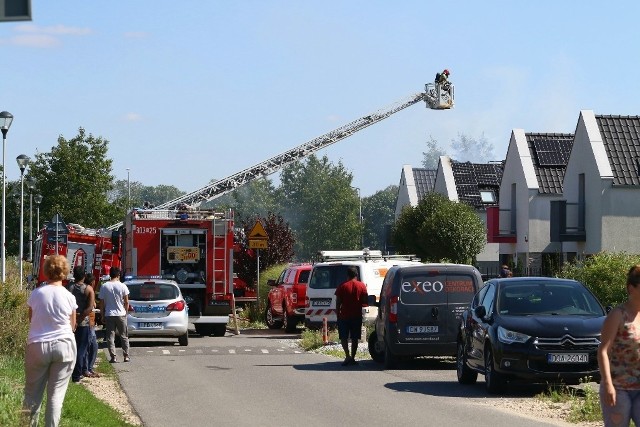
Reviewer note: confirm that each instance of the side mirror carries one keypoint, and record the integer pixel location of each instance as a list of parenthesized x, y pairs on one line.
[(271, 282), (480, 311), (373, 301)]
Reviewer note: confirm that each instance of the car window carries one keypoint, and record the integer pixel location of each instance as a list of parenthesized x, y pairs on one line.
[(487, 301), (152, 292), (478, 297), (422, 288), (550, 298), (304, 276), (328, 276)]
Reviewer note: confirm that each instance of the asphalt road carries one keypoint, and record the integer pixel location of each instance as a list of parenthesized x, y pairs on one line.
[(257, 380)]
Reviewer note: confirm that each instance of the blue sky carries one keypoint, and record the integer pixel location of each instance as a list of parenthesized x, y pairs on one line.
[(187, 91)]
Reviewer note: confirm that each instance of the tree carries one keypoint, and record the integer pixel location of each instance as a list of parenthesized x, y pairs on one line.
[(378, 212), (321, 206), (432, 155), (280, 246), (439, 229), (141, 194), (75, 180), (468, 149)]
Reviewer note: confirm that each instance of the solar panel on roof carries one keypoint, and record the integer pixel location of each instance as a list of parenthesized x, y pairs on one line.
[(552, 152)]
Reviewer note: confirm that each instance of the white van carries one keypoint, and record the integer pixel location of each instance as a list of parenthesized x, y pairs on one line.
[(328, 274)]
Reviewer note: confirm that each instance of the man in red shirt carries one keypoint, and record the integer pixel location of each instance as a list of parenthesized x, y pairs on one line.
[(351, 296)]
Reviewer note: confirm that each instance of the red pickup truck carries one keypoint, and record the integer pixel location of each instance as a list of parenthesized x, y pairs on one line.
[(286, 298)]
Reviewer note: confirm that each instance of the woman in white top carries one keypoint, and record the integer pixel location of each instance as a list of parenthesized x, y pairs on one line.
[(51, 345)]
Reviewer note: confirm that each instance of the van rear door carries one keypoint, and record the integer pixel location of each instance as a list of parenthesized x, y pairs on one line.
[(430, 304)]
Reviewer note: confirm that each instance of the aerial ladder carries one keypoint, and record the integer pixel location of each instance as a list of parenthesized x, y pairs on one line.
[(436, 97)]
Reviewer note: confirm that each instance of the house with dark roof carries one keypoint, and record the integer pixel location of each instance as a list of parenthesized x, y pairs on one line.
[(478, 185), (414, 184), (533, 176), (600, 209)]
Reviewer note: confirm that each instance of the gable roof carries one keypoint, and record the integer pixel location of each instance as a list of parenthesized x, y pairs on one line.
[(424, 180), (621, 138), (470, 178), (550, 155)]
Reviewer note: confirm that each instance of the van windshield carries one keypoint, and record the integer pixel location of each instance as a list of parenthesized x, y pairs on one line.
[(328, 276), (436, 289)]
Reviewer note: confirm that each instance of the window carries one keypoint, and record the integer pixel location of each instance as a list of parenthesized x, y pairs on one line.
[(487, 196)]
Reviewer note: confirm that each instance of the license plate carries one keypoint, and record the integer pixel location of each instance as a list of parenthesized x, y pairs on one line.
[(568, 357), (321, 302), (150, 325), (422, 329)]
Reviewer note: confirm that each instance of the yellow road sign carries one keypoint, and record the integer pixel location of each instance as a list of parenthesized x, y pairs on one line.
[(258, 243), (258, 232)]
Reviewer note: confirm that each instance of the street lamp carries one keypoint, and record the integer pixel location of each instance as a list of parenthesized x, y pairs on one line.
[(5, 123), (360, 216), (23, 162), (31, 185), (38, 200)]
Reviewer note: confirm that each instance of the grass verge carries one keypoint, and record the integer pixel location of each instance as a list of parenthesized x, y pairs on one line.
[(583, 401)]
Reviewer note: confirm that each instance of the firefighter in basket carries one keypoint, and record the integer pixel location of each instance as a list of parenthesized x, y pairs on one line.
[(442, 79)]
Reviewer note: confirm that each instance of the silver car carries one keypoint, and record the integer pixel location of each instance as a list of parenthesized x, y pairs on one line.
[(157, 309)]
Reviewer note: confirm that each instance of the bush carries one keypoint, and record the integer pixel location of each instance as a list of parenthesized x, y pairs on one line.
[(14, 319), (605, 274)]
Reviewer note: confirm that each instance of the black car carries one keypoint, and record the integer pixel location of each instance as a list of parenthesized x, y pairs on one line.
[(536, 329)]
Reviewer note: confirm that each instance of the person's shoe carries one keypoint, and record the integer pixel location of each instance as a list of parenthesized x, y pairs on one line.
[(113, 360), (347, 361), (127, 359), (76, 380), (353, 362)]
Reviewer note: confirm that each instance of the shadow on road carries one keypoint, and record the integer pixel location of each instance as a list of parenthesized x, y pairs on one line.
[(454, 389)]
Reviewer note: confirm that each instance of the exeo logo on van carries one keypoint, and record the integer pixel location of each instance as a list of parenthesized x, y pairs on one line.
[(422, 287)]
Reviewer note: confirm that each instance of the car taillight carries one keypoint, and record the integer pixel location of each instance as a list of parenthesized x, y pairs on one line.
[(393, 310), (306, 302), (176, 306), (130, 308)]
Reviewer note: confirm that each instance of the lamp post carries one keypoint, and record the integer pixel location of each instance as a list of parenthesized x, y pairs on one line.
[(360, 216), (23, 162), (38, 200), (128, 192), (5, 123), (31, 185)]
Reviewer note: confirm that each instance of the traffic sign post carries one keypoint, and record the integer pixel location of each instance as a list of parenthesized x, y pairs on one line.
[(258, 239), (58, 226)]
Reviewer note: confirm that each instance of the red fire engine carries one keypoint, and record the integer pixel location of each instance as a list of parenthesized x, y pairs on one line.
[(194, 248), (95, 249)]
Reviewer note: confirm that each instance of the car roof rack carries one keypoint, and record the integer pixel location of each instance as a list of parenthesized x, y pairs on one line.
[(363, 255)]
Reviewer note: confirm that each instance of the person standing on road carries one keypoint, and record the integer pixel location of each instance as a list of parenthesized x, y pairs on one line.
[(85, 299), (92, 348), (114, 301), (51, 346), (619, 358), (351, 296)]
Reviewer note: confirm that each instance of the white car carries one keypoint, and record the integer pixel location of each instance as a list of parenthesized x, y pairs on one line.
[(157, 309)]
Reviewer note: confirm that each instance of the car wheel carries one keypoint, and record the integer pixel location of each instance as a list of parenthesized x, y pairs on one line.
[(203, 329), (390, 360), (219, 329), (466, 375), (270, 319), (289, 323), (495, 382), (375, 347), (183, 340)]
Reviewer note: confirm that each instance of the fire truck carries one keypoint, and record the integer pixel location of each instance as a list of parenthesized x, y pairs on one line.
[(97, 250), (194, 248)]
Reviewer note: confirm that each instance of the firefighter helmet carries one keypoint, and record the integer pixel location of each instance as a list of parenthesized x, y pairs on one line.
[(446, 72)]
